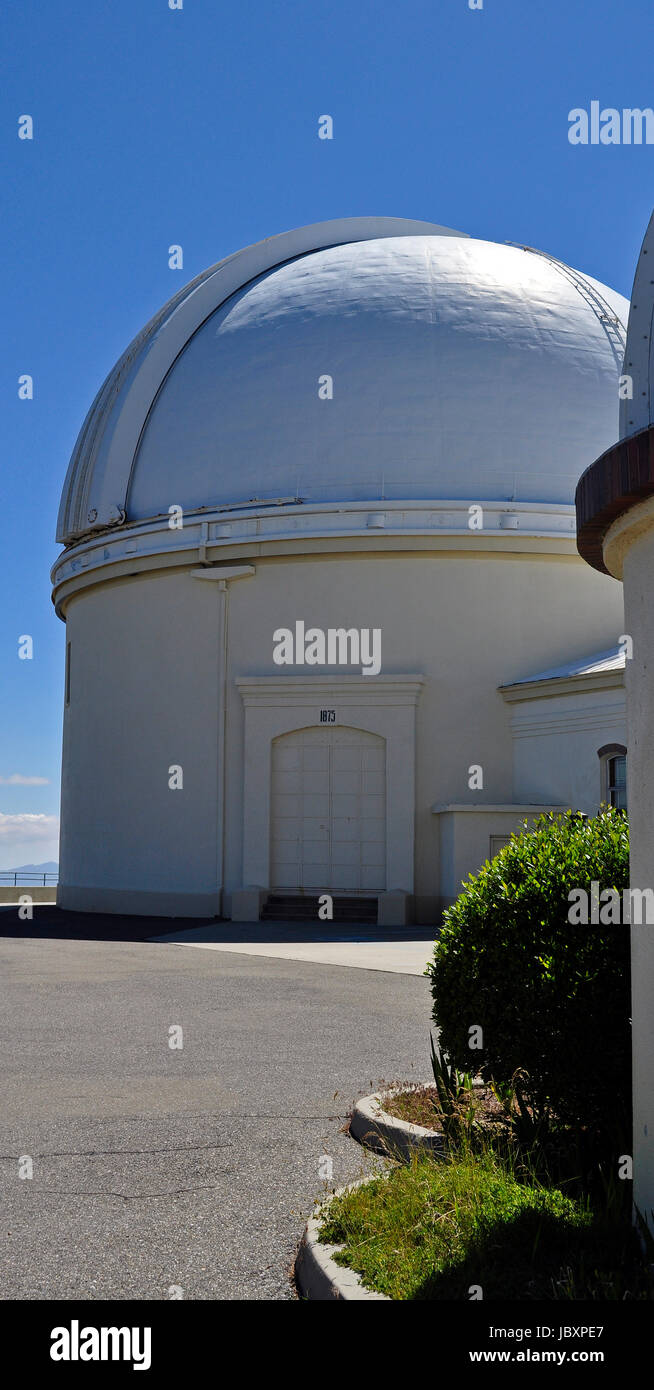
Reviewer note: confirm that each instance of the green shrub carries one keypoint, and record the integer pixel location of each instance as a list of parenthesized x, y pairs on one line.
[(552, 998)]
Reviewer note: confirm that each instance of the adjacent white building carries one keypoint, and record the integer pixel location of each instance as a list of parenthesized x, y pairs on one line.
[(368, 426), (615, 513)]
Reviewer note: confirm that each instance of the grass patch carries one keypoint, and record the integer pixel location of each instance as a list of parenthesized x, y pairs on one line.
[(433, 1228)]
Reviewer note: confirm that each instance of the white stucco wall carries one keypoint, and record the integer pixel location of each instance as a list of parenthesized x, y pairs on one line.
[(144, 674), (556, 743), (637, 570), (465, 838), (145, 694)]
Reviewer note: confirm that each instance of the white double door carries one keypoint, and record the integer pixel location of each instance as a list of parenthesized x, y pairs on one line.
[(328, 829)]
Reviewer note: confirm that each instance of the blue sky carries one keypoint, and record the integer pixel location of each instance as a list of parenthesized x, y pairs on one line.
[(199, 127)]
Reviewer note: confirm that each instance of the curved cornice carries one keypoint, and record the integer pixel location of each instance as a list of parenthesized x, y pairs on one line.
[(616, 482), (95, 491), (236, 535)]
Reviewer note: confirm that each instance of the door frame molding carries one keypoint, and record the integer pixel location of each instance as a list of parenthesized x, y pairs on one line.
[(384, 705)]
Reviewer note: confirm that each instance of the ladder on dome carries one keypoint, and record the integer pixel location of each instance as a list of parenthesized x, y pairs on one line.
[(602, 310)]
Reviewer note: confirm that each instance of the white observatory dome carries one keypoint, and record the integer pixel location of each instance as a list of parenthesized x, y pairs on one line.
[(391, 362)]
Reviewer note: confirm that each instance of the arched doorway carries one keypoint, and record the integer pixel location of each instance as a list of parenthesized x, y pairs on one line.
[(328, 813)]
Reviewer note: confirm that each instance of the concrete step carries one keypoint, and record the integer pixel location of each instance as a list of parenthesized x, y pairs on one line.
[(301, 907)]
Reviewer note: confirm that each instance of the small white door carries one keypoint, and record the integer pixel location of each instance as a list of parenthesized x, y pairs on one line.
[(329, 811)]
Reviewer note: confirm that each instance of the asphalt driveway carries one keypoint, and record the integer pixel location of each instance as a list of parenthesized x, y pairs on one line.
[(193, 1168)]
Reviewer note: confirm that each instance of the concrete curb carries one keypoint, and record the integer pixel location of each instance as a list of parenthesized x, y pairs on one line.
[(375, 1129), (10, 895), (317, 1275)]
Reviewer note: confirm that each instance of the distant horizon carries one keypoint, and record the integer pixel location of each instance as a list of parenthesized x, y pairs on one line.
[(49, 866)]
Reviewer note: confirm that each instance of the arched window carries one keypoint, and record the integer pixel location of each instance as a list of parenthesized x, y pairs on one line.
[(613, 772)]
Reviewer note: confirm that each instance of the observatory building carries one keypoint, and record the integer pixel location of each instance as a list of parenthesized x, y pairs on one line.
[(327, 629), (615, 519)]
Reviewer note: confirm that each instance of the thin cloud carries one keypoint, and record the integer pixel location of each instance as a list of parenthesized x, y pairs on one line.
[(18, 779), (27, 827)]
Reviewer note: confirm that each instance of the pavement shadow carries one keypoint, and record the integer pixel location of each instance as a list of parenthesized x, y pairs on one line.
[(60, 924), (55, 923)]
